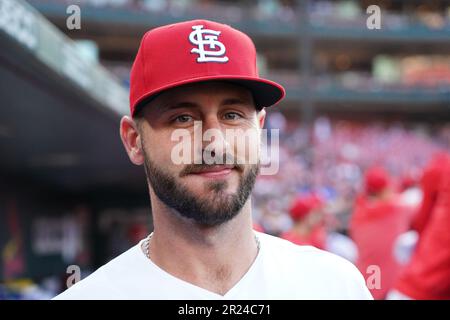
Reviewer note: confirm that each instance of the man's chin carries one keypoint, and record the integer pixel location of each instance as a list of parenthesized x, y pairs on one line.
[(200, 185), (213, 192)]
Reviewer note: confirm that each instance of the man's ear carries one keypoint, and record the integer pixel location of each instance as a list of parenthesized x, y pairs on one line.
[(261, 117), (132, 140)]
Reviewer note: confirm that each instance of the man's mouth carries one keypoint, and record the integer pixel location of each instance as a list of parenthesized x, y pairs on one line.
[(213, 171)]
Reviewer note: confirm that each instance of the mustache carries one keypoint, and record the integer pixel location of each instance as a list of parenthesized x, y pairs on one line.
[(228, 161)]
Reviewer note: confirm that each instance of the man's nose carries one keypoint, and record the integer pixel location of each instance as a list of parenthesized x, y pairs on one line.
[(211, 121), (214, 137)]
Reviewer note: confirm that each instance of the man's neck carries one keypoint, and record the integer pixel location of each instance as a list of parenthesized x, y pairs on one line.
[(213, 258)]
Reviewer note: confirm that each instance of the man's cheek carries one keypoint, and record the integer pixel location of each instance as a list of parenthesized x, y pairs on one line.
[(246, 149), (181, 150)]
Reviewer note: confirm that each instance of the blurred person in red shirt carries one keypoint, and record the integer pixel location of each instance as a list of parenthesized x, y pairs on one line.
[(427, 276), (307, 215), (377, 220), (429, 183)]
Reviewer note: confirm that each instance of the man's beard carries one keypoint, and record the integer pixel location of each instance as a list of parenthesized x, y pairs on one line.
[(218, 207)]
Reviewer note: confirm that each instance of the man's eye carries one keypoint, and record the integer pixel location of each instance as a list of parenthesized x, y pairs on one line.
[(232, 116), (183, 118)]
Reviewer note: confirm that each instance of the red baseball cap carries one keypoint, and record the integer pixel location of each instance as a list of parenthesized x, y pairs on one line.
[(303, 205), (197, 51), (376, 180)]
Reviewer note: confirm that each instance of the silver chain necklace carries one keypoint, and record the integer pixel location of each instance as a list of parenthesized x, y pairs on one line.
[(147, 244)]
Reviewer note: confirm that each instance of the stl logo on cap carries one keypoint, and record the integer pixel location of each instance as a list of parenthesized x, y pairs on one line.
[(202, 37)]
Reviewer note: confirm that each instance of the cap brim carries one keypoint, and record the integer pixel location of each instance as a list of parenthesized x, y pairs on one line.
[(265, 93)]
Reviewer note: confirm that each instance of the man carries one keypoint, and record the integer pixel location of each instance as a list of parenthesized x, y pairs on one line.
[(427, 275), (309, 226), (203, 245), (378, 211), (430, 181)]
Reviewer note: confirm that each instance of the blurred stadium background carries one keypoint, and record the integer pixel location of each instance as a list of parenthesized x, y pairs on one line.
[(355, 98)]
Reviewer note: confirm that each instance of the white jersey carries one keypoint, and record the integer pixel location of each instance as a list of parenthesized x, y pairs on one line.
[(281, 270)]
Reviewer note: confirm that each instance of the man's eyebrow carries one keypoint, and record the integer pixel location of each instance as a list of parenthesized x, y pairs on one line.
[(178, 105)]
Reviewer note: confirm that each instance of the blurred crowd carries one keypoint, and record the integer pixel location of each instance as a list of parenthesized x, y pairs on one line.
[(366, 192), (394, 72), (341, 13)]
